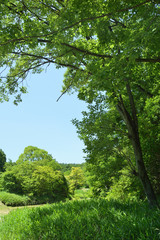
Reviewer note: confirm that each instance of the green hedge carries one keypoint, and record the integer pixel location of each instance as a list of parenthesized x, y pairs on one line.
[(11, 199)]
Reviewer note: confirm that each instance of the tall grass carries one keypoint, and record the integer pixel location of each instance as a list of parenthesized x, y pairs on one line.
[(83, 220)]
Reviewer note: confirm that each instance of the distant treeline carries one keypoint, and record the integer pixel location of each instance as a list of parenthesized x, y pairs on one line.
[(66, 167)]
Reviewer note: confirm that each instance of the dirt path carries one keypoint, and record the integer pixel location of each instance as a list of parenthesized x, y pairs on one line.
[(3, 209)]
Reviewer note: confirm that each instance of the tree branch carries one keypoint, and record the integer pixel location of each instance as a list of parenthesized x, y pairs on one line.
[(132, 105), (86, 51), (144, 91)]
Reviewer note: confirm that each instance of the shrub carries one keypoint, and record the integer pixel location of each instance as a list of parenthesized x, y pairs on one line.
[(11, 199)]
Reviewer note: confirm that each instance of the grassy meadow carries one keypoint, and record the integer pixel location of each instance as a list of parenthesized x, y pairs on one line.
[(82, 220)]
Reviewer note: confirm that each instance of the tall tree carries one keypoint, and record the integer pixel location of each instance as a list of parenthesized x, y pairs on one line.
[(108, 46), (2, 160)]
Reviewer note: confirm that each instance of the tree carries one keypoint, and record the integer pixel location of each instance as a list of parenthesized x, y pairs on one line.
[(109, 155), (40, 182), (50, 184), (107, 46), (66, 167), (76, 178), (9, 164), (38, 156), (35, 174), (2, 161)]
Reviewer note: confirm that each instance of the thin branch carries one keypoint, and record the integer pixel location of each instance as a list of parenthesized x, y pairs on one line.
[(32, 55), (52, 8), (40, 19), (23, 72), (118, 22), (125, 115), (64, 92), (132, 105), (151, 60), (121, 153), (71, 82), (144, 91), (87, 52)]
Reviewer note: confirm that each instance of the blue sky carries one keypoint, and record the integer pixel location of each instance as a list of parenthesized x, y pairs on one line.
[(41, 121)]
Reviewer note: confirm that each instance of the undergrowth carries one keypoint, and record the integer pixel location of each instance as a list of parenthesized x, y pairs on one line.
[(83, 220)]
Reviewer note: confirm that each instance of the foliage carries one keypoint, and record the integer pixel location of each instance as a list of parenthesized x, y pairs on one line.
[(82, 194), (9, 164), (2, 161), (109, 154), (76, 178), (106, 146), (126, 188), (90, 219), (11, 199), (49, 184), (66, 167), (11, 183), (108, 47), (41, 183), (40, 156), (38, 179)]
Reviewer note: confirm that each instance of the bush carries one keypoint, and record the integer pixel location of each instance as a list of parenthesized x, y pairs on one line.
[(11, 199)]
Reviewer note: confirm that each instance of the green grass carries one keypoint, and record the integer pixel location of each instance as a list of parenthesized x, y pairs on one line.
[(83, 193), (83, 220)]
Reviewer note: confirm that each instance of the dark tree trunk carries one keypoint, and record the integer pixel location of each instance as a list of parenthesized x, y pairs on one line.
[(132, 126)]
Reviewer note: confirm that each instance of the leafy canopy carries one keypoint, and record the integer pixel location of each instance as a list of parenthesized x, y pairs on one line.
[(100, 42), (38, 156)]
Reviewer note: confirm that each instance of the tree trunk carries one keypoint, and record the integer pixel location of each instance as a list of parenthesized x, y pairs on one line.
[(142, 173), (132, 126)]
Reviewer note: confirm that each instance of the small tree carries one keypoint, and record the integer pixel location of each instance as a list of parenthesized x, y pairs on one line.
[(76, 178)]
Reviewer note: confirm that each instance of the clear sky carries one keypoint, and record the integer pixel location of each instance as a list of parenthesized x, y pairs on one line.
[(41, 121)]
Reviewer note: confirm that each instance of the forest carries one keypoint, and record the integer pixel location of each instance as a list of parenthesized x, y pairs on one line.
[(110, 50)]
